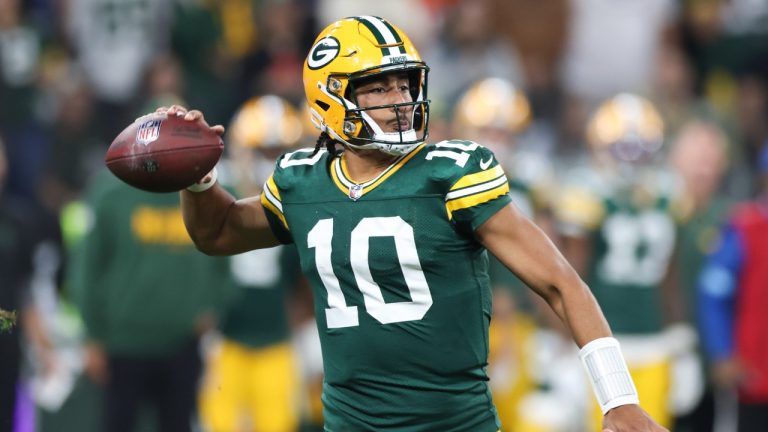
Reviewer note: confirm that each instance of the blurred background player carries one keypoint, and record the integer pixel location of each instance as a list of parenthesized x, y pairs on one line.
[(146, 296), (618, 217), (732, 306), (250, 381)]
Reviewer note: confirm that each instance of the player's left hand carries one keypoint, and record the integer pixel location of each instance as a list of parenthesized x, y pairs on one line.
[(629, 418)]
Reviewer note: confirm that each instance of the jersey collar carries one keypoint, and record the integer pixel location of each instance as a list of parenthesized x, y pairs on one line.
[(354, 190)]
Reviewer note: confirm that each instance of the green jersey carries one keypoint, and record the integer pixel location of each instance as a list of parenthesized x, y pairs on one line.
[(400, 283), (136, 276), (633, 234), (256, 315)]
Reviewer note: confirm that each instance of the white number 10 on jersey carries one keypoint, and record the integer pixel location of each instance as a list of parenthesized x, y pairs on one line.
[(338, 314)]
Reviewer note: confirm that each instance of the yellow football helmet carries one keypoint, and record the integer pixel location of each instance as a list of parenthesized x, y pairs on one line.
[(492, 103), (265, 122), (628, 127), (363, 47), (261, 130)]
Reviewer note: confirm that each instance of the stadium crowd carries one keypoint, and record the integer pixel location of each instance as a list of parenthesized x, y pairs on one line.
[(635, 134)]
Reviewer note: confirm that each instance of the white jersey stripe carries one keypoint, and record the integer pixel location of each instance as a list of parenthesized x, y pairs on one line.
[(271, 198), (476, 189)]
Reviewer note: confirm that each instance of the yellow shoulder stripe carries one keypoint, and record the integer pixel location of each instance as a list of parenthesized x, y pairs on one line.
[(476, 199), (270, 199), (271, 207), (273, 187), (477, 178)]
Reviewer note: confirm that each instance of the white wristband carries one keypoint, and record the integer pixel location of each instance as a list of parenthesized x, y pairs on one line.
[(200, 187), (608, 373)]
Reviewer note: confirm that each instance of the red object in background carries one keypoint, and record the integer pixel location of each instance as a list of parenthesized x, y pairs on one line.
[(158, 153)]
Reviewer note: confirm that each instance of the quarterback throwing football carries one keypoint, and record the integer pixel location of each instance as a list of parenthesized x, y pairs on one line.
[(392, 234)]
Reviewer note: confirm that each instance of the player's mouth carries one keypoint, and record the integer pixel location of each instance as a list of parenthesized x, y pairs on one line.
[(401, 125)]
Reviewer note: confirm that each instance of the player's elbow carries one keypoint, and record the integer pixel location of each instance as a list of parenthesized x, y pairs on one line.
[(564, 282), (208, 246), (204, 240), (207, 249)]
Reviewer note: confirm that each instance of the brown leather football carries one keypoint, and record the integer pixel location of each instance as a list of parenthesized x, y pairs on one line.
[(160, 153)]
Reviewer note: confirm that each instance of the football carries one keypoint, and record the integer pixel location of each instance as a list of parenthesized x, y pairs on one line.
[(161, 153)]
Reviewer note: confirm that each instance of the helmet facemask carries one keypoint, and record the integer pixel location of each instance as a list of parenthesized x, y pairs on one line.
[(363, 131)]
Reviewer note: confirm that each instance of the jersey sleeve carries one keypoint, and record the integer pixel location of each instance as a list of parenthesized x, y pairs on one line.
[(273, 207), (478, 190)]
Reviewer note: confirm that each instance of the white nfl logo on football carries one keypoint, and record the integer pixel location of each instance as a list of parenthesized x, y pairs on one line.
[(148, 132)]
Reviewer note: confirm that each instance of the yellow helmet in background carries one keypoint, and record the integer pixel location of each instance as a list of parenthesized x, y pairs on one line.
[(265, 122), (492, 103), (628, 127), (261, 130), (363, 47)]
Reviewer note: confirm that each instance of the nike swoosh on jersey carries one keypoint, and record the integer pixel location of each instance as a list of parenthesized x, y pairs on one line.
[(485, 164)]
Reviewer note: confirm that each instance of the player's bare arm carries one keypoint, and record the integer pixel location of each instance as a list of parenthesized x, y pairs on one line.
[(520, 245), (217, 222), (221, 225)]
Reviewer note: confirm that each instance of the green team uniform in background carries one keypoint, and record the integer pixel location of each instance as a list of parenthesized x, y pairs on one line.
[(401, 288), (130, 307), (633, 231), (251, 371), (256, 315)]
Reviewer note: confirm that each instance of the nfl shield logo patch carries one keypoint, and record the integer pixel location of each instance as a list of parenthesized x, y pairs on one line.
[(148, 131), (355, 192)]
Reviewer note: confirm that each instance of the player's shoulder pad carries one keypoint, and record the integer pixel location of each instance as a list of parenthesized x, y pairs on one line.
[(459, 164), (298, 166)]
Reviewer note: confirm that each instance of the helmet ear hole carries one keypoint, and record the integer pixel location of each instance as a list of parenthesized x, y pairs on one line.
[(414, 82), (322, 105), (418, 117)]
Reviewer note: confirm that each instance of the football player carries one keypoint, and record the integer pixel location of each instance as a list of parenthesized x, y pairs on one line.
[(392, 234), (250, 381), (618, 215)]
